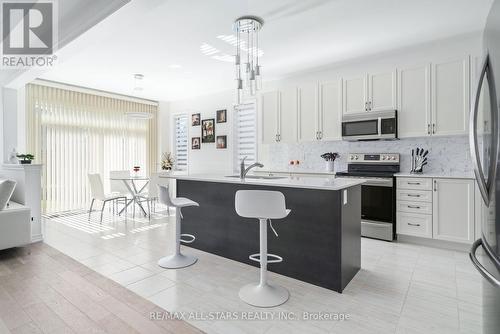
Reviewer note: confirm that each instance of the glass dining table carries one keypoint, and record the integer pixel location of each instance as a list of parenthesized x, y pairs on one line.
[(135, 190)]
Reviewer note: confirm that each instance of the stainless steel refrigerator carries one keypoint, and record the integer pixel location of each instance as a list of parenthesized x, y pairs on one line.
[(484, 144)]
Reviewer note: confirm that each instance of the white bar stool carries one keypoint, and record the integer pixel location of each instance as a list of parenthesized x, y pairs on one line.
[(263, 205), (177, 260)]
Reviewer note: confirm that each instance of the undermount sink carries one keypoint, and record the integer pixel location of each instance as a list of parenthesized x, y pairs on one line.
[(259, 177)]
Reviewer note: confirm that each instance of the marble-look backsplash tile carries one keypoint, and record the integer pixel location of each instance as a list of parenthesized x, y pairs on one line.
[(447, 155)]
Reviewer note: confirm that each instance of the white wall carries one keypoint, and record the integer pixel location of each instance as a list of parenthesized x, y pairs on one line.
[(208, 158), (164, 130), (10, 123)]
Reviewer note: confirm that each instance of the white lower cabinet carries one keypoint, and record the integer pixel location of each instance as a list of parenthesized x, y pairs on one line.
[(437, 208), (418, 225), (453, 210)]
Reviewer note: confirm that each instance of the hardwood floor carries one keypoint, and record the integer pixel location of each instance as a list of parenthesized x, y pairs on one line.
[(45, 291), (400, 289)]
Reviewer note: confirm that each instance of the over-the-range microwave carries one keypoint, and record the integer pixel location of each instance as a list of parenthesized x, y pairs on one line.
[(370, 126)]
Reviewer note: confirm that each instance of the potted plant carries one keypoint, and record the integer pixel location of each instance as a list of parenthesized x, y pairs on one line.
[(167, 161), (25, 159), (330, 157)]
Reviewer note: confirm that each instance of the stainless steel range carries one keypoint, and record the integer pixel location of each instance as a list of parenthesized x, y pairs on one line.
[(378, 193)]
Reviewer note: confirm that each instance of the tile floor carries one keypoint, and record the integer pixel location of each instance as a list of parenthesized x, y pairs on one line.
[(401, 288)]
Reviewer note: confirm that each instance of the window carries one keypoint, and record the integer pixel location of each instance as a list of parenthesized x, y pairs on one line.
[(245, 134), (181, 142), (74, 133)]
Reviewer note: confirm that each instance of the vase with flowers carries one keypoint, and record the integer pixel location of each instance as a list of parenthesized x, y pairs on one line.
[(167, 161), (329, 158)]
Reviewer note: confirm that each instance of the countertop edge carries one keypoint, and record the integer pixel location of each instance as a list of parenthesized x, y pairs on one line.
[(437, 176), (269, 183)]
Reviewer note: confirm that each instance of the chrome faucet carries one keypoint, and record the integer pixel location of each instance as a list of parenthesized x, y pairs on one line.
[(244, 171)]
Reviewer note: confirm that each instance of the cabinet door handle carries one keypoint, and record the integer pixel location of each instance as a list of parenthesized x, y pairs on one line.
[(433, 128), (435, 185), (369, 105), (412, 195), (320, 135), (429, 128), (413, 207), (411, 224), (414, 183), (366, 106)]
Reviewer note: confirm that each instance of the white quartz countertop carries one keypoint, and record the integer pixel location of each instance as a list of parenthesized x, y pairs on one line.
[(306, 182), (438, 176)]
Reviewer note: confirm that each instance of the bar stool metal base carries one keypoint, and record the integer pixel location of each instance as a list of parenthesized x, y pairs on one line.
[(263, 295), (177, 261)]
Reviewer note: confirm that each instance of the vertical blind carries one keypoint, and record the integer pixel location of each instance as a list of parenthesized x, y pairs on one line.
[(73, 134), (245, 133), (181, 142)]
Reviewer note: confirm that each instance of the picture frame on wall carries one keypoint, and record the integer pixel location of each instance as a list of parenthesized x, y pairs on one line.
[(221, 142), (208, 130), (195, 143), (195, 119), (221, 116)]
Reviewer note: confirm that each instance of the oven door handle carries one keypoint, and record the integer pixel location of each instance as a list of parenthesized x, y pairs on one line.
[(377, 183)]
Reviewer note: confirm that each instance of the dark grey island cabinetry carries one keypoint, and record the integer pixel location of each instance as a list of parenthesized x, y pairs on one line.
[(320, 240)]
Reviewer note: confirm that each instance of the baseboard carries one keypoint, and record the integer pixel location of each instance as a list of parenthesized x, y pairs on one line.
[(36, 238), (450, 245)]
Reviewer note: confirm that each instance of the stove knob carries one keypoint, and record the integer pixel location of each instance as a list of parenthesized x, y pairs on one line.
[(384, 157), (351, 157), (393, 158), (356, 157)]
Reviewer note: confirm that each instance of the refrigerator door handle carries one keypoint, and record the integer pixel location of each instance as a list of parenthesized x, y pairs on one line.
[(487, 275), (483, 184)]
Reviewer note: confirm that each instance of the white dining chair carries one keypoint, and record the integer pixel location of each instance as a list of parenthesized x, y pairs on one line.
[(118, 187), (151, 196), (97, 190)]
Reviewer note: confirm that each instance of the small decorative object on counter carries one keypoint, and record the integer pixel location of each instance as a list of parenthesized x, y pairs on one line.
[(136, 169), (25, 159), (167, 161), (418, 160), (330, 157)]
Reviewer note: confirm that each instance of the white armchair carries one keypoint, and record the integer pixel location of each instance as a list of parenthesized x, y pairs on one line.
[(15, 219)]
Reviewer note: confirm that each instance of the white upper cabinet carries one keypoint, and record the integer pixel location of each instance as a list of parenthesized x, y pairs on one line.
[(453, 210), (279, 116), (330, 110), (308, 111), (370, 92), (270, 116), (382, 91), (450, 97), (320, 111), (414, 105), (288, 115), (355, 95)]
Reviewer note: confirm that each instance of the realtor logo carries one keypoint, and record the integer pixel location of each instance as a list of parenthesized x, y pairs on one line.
[(28, 33)]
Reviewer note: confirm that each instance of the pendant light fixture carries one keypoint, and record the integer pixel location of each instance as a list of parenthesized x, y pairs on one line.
[(248, 71)]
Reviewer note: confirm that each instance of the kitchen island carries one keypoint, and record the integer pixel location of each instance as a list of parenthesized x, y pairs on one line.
[(320, 240)]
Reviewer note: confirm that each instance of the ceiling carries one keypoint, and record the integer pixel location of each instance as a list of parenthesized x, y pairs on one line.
[(75, 17), (161, 39)]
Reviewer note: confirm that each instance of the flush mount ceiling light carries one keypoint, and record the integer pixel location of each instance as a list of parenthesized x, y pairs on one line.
[(138, 82), (138, 88), (138, 115), (247, 32)]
